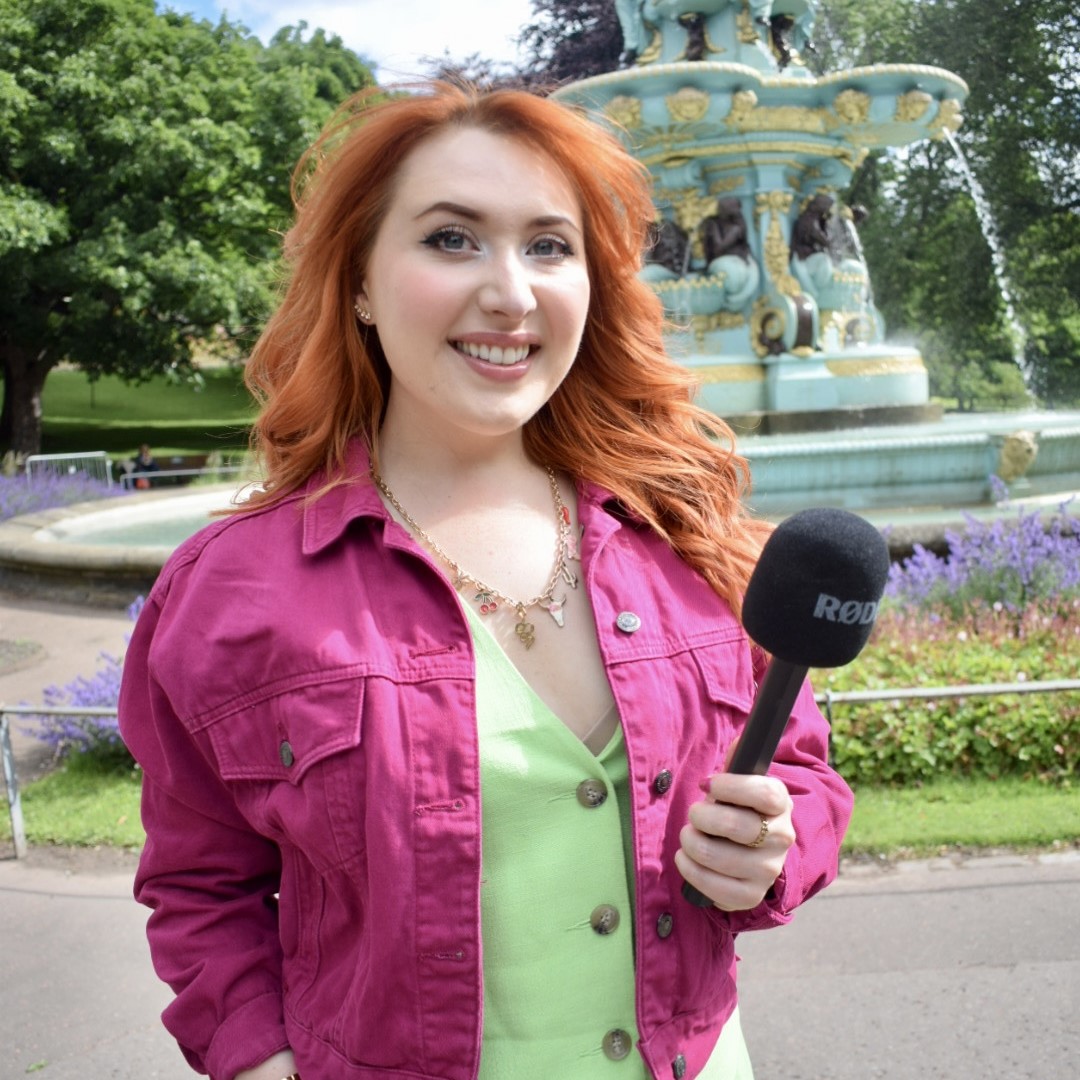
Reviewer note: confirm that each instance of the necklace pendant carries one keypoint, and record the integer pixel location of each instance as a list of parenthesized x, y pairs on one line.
[(524, 629), (487, 601), (555, 609), (569, 576)]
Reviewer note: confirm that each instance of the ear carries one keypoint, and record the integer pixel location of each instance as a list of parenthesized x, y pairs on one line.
[(362, 307)]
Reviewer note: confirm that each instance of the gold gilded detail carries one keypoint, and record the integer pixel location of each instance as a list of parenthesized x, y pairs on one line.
[(747, 115), (1018, 451), (726, 184), (912, 106), (880, 365), (949, 118), (625, 111), (777, 253), (687, 105), (852, 106), (766, 324), (691, 208), (744, 23), (719, 320), (721, 373), (652, 53)]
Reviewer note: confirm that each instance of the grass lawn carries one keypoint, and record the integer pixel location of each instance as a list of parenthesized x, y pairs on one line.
[(174, 418), (83, 805), (975, 813)]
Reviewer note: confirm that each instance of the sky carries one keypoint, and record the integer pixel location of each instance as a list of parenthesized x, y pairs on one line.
[(395, 34)]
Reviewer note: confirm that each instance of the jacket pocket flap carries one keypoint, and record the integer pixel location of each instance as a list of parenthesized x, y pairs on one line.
[(727, 670), (282, 737)]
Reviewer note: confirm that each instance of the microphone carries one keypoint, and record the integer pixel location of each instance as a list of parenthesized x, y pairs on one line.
[(811, 602)]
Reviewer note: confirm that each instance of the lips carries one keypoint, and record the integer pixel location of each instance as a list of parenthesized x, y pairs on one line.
[(494, 354)]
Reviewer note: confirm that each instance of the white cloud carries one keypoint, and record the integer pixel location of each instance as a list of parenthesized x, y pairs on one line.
[(395, 34)]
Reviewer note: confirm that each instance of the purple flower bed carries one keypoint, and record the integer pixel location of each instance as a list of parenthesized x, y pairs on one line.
[(18, 495), (98, 736), (1017, 565)]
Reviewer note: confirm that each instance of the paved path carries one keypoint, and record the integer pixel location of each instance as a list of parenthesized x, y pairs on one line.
[(917, 972), (961, 968)]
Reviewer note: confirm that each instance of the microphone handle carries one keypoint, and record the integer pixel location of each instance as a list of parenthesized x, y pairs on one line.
[(761, 735)]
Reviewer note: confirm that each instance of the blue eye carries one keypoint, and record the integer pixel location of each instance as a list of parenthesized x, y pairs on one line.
[(550, 247), (450, 238)]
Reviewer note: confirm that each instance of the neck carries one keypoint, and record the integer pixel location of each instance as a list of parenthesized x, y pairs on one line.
[(482, 472)]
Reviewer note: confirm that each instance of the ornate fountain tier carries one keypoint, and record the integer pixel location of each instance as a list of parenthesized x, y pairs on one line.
[(757, 263)]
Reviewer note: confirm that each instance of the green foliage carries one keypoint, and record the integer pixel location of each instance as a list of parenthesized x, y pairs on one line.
[(906, 741), (931, 266), (144, 181)]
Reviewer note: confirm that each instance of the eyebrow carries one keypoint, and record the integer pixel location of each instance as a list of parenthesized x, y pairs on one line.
[(545, 221)]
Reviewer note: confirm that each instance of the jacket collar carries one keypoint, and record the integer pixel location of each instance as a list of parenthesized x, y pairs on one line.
[(327, 517)]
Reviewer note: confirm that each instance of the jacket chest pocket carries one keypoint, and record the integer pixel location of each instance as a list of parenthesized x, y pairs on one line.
[(294, 764)]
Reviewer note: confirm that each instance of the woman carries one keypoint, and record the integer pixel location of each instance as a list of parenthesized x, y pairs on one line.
[(433, 728)]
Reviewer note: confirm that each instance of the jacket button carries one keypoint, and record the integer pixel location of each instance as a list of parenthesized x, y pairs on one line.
[(662, 783), (285, 752), (678, 1067), (617, 1044), (591, 793), (605, 919), (627, 622), (665, 924)]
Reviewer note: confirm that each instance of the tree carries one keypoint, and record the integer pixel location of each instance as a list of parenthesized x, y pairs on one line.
[(931, 262), (569, 40), (144, 181)]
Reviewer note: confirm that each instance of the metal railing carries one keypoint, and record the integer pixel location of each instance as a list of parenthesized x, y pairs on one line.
[(828, 698), (129, 480)]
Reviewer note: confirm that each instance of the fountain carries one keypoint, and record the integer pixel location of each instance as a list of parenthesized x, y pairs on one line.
[(761, 273)]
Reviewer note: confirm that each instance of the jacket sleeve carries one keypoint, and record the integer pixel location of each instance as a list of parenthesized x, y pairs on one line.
[(209, 880), (823, 804)]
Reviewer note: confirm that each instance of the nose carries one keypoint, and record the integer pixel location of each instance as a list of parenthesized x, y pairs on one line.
[(508, 288)]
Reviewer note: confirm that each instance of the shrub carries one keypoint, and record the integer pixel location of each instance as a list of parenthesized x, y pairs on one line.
[(96, 737), (18, 495), (1002, 607), (913, 740)]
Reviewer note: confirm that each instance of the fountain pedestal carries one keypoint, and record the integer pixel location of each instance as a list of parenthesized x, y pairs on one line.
[(757, 263)]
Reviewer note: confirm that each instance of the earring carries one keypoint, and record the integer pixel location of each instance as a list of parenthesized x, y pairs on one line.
[(362, 313)]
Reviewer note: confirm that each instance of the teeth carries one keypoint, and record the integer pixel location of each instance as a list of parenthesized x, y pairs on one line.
[(493, 354)]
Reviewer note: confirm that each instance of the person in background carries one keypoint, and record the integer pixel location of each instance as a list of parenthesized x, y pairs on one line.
[(433, 726), (142, 463)]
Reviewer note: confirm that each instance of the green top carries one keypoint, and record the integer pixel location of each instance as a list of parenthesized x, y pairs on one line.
[(556, 894)]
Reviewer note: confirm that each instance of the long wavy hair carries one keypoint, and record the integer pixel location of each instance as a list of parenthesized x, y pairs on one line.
[(623, 417)]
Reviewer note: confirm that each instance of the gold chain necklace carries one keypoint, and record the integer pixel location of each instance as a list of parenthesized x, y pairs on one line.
[(489, 597)]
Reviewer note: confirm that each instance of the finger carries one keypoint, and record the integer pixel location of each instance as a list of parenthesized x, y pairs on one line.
[(727, 892), (766, 795), (737, 823)]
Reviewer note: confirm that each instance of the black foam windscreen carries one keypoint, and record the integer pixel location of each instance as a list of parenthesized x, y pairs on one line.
[(813, 596)]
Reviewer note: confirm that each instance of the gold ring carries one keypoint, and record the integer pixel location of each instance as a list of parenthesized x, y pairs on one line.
[(763, 833)]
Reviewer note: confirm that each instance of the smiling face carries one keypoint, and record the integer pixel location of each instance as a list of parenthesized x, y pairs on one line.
[(477, 286)]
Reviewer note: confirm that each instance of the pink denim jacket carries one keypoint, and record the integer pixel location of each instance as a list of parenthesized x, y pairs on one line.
[(299, 693)]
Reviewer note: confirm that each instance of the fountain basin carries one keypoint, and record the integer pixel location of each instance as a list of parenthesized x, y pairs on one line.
[(944, 466), (913, 481), (107, 551)]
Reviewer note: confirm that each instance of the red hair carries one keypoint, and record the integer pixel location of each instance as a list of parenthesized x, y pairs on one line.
[(623, 417)]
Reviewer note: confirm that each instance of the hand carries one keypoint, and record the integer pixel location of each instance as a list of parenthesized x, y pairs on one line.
[(715, 855), (280, 1065)]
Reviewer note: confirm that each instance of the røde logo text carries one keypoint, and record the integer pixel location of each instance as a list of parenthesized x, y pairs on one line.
[(833, 609)]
